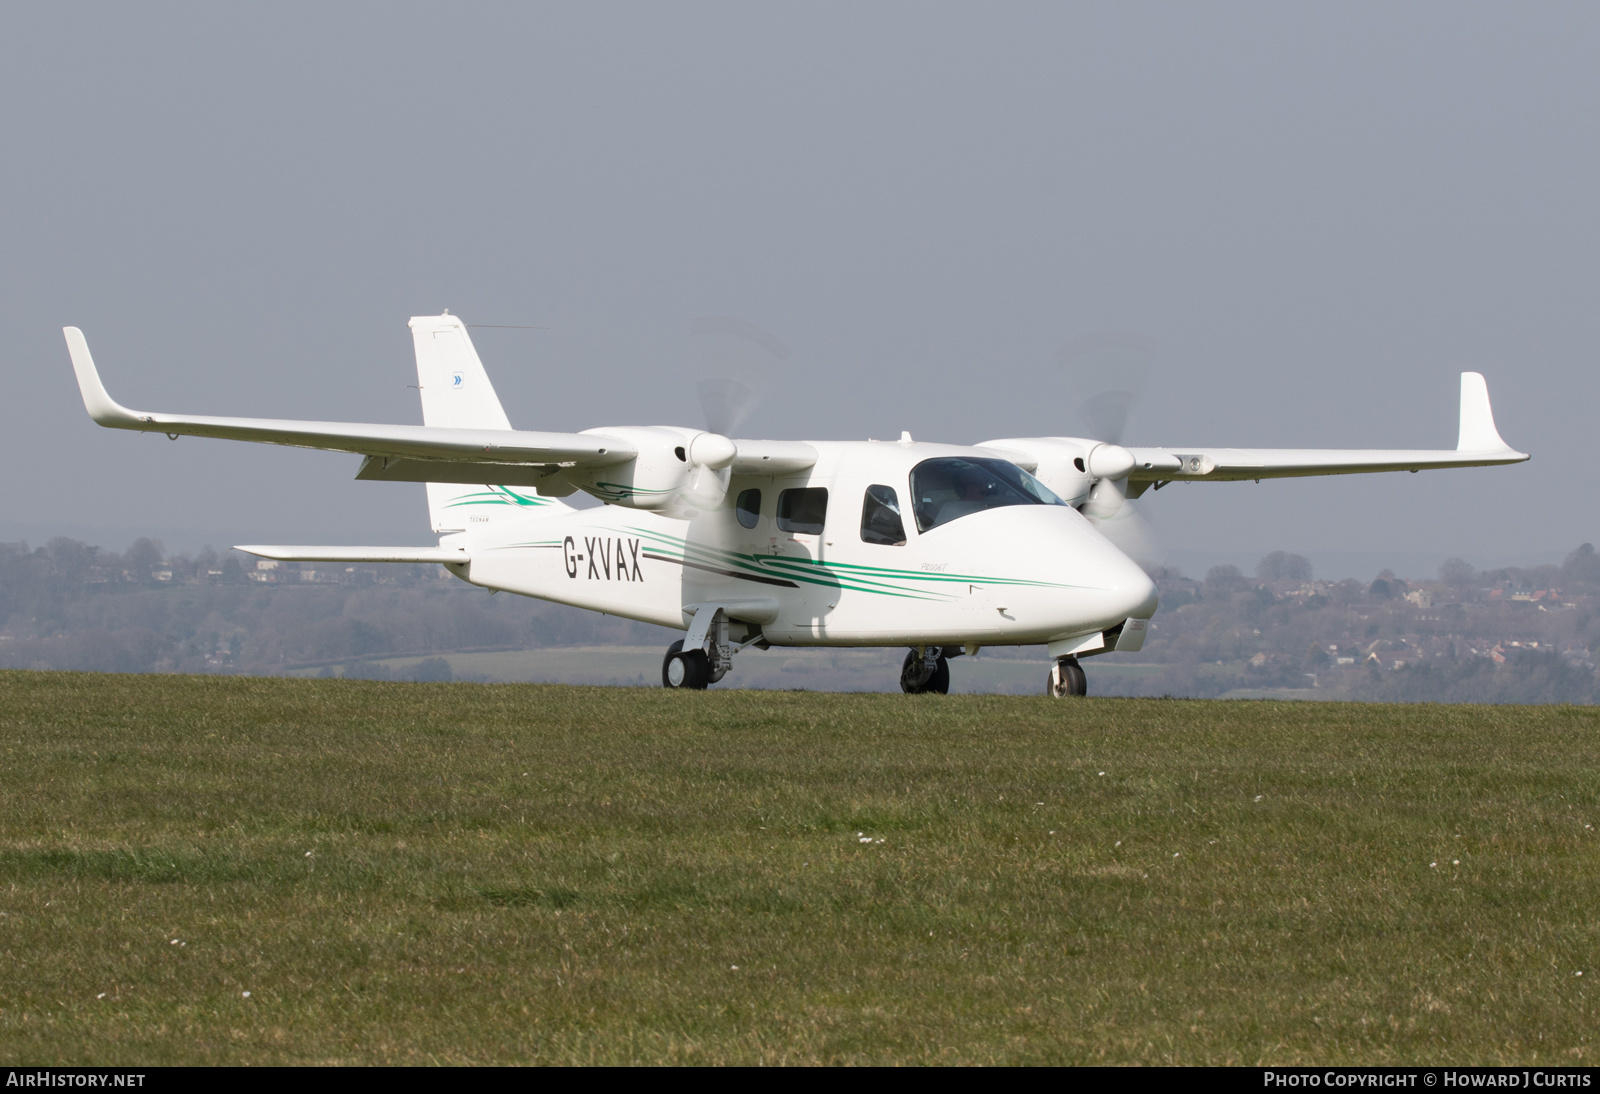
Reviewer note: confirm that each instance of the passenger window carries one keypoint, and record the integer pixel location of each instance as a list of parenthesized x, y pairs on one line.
[(880, 517), (748, 507), (803, 511)]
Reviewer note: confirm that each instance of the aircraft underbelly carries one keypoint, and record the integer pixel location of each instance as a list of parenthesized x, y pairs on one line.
[(868, 618)]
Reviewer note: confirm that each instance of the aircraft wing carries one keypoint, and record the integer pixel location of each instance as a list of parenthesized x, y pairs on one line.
[(772, 457), (1479, 445), (382, 444)]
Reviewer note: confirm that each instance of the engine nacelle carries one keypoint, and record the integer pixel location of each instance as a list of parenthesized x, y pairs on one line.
[(677, 471), (1061, 463)]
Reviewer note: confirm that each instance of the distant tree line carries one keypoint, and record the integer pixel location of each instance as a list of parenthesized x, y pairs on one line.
[(1507, 635), (67, 605)]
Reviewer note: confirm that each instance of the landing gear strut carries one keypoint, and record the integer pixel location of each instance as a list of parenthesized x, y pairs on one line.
[(709, 655), (925, 670), (1067, 679)]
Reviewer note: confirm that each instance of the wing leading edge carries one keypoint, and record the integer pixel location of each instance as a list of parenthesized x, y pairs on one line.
[(417, 453), (1479, 445), (493, 449)]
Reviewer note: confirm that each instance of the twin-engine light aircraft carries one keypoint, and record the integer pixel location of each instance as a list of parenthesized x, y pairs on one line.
[(940, 548)]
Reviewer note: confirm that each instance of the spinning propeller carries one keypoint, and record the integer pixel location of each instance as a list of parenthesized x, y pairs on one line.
[(1112, 366), (734, 364)]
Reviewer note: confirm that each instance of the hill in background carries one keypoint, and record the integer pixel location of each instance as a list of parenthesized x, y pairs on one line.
[(1514, 634)]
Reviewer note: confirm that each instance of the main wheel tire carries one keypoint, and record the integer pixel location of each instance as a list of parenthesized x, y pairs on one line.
[(938, 682), (1080, 682), (685, 669), (1067, 679), (910, 681)]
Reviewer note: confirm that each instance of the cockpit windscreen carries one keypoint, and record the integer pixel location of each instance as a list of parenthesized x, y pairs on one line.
[(951, 487)]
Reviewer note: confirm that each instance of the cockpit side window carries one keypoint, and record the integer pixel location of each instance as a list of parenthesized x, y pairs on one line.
[(803, 511), (880, 517), (951, 487), (748, 508)]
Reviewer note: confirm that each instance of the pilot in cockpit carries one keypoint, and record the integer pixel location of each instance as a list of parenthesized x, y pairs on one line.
[(973, 497)]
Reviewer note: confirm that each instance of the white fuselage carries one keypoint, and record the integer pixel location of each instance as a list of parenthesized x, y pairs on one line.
[(1022, 574)]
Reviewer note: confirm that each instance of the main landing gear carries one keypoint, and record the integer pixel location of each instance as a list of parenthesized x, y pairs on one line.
[(685, 668), (704, 655), (1067, 679), (925, 670)]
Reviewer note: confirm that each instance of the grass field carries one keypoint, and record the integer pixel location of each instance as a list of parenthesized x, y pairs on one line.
[(515, 873), (775, 669)]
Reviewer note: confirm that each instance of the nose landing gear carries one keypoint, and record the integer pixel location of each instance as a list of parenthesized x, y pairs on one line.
[(925, 670), (1067, 679)]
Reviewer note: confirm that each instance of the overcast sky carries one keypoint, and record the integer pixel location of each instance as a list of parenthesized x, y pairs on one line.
[(1322, 214)]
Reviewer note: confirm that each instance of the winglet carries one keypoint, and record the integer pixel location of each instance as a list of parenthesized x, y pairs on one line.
[(101, 406), (1478, 433)]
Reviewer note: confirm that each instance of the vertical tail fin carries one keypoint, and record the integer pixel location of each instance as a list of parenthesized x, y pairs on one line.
[(457, 394)]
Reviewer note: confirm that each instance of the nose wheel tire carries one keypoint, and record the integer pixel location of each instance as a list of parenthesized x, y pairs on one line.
[(1067, 679), (917, 679), (685, 668)]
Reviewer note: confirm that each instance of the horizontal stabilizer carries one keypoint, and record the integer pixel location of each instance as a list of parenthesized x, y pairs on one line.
[(356, 554)]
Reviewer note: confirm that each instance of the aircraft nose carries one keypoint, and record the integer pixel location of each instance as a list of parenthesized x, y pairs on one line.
[(1134, 592), (1125, 591)]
